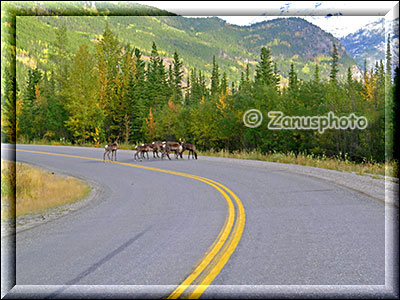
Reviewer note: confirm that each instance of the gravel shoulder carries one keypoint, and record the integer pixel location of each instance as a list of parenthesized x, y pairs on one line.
[(378, 188)]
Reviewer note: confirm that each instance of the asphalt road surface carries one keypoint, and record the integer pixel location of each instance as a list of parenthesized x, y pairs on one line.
[(147, 231)]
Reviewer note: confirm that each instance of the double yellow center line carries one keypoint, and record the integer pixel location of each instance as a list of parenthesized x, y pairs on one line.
[(219, 252)]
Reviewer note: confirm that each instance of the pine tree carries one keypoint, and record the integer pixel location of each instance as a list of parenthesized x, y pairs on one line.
[(215, 80), (156, 80), (316, 74), (388, 61), (264, 70), (137, 93), (241, 82), (224, 84), (334, 66), (233, 88), (177, 77), (276, 76), (293, 81), (170, 80), (186, 99), (380, 71), (28, 103), (349, 77)]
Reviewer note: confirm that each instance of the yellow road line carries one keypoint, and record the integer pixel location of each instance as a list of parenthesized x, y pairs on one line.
[(228, 249), (215, 248)]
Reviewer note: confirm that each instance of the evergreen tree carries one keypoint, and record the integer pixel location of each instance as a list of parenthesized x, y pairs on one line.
[(170, 80), (177, 77), (276, 76), (224, 84), (241, 82), (264, 70), (157, 87), (316, 74), (215, 80), (380, 71), (334, 66), (233, 88), (293, 82), (245, 83), (388, 61), (187, 91), (137, 93), (349, 77), (28, 103)]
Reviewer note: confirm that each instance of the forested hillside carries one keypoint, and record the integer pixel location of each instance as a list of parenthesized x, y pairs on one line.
[(291, 40), (84, 80)]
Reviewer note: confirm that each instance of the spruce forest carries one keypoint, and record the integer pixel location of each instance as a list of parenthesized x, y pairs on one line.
[(94, 96)]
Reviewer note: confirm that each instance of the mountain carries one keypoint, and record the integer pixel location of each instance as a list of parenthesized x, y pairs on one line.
[(369, 42), (292, 40)]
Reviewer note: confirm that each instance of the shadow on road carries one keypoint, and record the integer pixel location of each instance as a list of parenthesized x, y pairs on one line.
[(95, 266)]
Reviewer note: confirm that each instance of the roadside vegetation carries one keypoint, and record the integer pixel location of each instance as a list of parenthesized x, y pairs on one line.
[(333, 163), (36, 190)]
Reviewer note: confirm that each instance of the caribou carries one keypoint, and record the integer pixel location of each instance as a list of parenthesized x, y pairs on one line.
[(141, 150), (157, 147), (111, 148), (190, 147), (171, 146)]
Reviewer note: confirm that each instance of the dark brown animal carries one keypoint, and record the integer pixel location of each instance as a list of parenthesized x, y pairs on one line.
[(157, 147), (191, 148), (141, 150), (111, 148)]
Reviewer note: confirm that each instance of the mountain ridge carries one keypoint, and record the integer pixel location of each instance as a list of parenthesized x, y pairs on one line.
[(369, 43), (291, 40)]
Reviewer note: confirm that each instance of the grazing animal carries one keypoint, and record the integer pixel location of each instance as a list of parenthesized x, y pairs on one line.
[(190, 147), (141, 150), (157, 147), (111, 148), (171, 146)]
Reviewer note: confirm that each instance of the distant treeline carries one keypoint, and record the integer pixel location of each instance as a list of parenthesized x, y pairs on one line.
[(96, 97)]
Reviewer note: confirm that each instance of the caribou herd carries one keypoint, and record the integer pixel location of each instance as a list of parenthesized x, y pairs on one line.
[(164, 148)]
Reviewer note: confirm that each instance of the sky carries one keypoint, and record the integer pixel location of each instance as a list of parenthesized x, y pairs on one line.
[(339, 18)]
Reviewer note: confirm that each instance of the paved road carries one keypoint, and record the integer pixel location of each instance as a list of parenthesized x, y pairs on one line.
[(150, 229)]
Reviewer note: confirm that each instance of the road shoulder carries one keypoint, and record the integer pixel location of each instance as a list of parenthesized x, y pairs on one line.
[(380, 189)]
